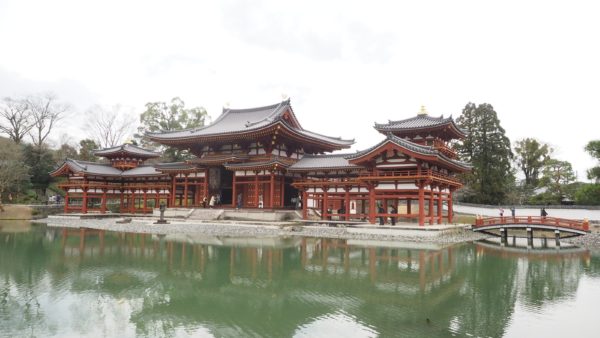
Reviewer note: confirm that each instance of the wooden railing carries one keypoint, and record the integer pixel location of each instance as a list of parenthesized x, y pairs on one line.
[(412, 173), (91, 185), (582, 225)]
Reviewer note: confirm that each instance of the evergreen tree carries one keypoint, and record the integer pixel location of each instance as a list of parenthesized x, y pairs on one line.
[(593, 148), (40, 163), (557, 176), (488, 150), (530, 158), (160, 116), (86, 150)]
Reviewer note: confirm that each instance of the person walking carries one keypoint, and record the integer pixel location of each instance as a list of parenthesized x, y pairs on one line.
[(543, 212), (512, 212)]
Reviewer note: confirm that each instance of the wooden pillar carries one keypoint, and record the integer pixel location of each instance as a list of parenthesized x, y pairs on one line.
[(256, 189), (281, 192), (325, 202), (450, 206), (371, 204), (132, 205), (304, 203), (233, 192), (272, 190), (440, 209), (66, 200), (84, 201), (145, 200), (347, 204), (431, 192), (408, 206), (173, 190), (103, 204), (185, 191), (421, 204), (121, 204), (206, 184)]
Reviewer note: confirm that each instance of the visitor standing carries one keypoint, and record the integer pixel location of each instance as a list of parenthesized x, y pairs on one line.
[(393, 211), (512, 212), (501, 212), (381, 210), (543, 212), (239, 201), (211, 203), (204, 202)]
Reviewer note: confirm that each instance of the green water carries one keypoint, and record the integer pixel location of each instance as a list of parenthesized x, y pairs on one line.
[(89, 284)]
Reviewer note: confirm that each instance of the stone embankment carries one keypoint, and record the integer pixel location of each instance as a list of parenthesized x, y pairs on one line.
[(265, 229)]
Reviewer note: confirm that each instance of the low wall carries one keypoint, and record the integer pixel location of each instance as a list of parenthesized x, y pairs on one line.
[(260, 215), (538, 207)]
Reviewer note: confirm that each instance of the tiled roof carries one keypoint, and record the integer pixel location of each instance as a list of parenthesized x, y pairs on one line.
[(420, 121), (144, 170), (317, 162), (105, 169), (234, 121), (126, 149), (92, 168), (417, 148), (174, 166), (219, 158), (256, 164)]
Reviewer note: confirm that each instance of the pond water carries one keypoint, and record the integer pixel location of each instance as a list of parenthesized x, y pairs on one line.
[(84, 283)]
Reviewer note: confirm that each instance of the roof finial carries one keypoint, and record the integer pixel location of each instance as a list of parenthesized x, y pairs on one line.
[(423, 111)]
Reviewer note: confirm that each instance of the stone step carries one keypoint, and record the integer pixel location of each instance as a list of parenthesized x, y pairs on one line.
[(207, 214)]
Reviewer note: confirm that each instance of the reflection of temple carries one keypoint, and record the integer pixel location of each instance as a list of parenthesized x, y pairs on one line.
[(278, 286)]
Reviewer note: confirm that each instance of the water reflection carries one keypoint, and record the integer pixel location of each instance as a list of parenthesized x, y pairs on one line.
[(92, 283)]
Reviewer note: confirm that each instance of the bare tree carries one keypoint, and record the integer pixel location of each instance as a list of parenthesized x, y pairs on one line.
[(109, 127), (16, 118), (46, 112)]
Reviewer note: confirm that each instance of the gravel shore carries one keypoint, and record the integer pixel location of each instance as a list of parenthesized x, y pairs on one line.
[(247, 229)]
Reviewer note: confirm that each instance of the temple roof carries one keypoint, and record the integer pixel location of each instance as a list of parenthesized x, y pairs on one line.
[(174, 166), (426, 151), (323, 162), (421, 122), (258, 164), (105, 169), (126, 150), (92, 168), (241, 121)]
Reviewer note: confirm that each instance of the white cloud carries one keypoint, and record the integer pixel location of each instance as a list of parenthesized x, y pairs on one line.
[(345, 64)]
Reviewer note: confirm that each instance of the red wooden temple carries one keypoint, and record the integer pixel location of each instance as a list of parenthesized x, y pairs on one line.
[(263, 158)]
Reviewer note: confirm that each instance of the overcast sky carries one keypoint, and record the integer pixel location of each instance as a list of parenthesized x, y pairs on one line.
[(345, 65)]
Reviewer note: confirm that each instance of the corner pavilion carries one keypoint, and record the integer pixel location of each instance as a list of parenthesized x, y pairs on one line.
[(263, 158)]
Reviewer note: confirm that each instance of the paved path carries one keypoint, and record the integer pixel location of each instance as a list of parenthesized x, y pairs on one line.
[(592, 215)]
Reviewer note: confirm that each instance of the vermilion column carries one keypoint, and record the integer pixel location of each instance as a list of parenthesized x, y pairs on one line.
[(431, 192), (173, 190), (185, 191), (84, 205), (408, 206), (304, 203), (233, 192), (256, 189), (272, 190), (372, 204), (325, 202), (450, 206), (103, 205), (347, 204), (439, 207), (66, 200), (421, 204)]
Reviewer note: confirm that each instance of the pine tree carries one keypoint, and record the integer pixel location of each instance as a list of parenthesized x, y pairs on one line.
[(488, 150)]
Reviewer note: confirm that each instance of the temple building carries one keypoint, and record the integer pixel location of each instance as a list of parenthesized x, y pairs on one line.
[(263, 158)]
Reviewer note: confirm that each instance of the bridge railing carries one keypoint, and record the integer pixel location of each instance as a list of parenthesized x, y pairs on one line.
[(583, 225)]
